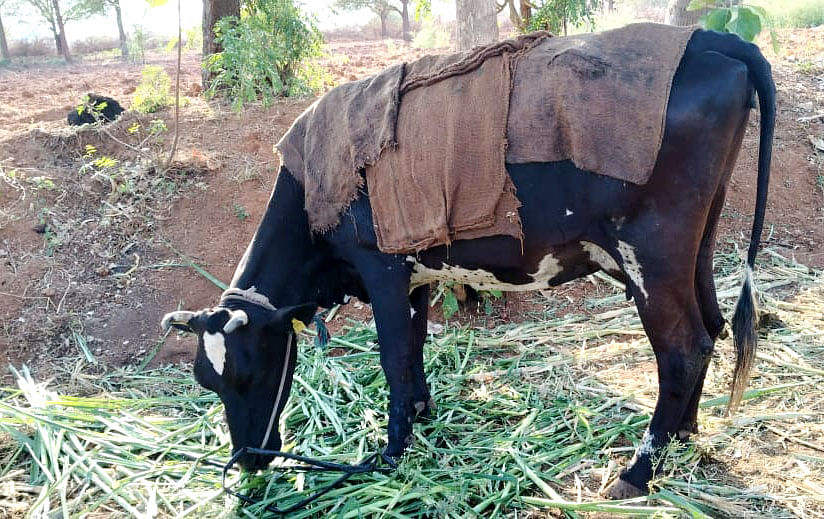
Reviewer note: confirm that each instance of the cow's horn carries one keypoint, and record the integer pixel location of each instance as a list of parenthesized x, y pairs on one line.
[(181, 316), (237, 319)]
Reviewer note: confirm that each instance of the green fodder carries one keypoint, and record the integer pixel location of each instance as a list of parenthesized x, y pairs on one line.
[(533, 419)]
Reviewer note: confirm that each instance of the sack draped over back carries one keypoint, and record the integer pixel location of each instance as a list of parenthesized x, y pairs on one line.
[(432, 137)]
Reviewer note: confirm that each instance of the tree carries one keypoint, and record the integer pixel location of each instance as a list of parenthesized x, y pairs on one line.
[(557, 15), (519, 16), (124, 41), (476, 23), (4, 46), (214, 10), (57, 17), (677, 13), (382, 8)]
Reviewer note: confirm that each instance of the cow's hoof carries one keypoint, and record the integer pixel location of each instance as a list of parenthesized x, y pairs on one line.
[(424, 408), (392, 461), (686, 430), (620, 489)]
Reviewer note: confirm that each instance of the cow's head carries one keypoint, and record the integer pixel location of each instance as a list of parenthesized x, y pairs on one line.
[(246, 354)]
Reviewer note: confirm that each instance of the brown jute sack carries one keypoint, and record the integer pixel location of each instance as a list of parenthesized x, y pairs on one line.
[(598, 99)]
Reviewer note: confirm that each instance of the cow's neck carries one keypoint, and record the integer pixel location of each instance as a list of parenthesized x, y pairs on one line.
[(280, 258)]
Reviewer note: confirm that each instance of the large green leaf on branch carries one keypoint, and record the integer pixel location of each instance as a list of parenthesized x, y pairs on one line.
[(716, 20), (744, 22)]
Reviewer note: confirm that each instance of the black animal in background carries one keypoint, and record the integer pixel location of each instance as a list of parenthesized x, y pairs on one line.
[(95, 108)]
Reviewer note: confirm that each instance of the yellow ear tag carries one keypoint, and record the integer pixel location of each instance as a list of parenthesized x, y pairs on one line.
[(297, 325)]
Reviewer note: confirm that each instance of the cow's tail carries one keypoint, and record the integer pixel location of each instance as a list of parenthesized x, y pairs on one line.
[(745, 321)]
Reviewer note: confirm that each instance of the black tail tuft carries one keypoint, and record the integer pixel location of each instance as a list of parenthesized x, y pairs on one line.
[(745, 337)]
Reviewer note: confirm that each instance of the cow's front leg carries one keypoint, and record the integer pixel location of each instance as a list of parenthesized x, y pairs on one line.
[(419, 309), (393, 319)]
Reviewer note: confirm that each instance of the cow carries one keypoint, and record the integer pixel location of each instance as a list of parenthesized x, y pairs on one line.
[(95, 108), (656, 238)]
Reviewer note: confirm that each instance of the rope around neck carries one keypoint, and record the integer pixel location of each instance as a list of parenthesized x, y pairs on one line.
[(249, 295), (280, 391)]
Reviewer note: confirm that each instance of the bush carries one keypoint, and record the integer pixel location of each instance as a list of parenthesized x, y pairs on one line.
[(32, 47), (264, 54), (94, 44), (433, 35), (154, 91)]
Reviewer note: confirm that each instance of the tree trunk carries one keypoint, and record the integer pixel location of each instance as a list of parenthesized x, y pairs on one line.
[(476, 23), (56, 35), (526, 13), (4, 46), (61, 32), (407, 35), (124, 42), (677, 13), (214, 10), (383, 16)]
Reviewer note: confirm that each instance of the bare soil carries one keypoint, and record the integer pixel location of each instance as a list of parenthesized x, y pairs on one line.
[(85, 256)]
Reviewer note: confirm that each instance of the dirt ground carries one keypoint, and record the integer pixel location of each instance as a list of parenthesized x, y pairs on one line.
[(91, 260)]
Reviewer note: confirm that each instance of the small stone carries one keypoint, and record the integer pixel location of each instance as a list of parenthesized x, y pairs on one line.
[(49, 292)]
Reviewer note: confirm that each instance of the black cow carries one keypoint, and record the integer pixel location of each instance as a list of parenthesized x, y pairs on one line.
[(658, 238), (95, 108)]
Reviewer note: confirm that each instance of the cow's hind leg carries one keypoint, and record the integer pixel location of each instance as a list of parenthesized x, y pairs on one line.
[(674, 324), (419, 306), (710, 312)]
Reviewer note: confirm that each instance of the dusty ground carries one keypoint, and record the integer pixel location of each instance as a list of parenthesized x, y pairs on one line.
[(85, 257)]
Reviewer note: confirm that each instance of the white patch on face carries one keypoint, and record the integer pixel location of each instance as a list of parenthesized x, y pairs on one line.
[(215, 346), (481, 279), (411, 312), (632, 267), (568, 213)]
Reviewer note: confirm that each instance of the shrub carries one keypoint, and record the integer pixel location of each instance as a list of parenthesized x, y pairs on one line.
[(264, 54), (433, 35), (154, 91), (93, 44), (32, 47)]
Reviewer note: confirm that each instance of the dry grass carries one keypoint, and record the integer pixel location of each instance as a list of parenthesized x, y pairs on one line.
[(533, 419)]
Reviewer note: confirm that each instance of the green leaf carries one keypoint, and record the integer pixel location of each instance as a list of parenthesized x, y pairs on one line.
[(156, 3), (716, 20), (744, 22), (696, 5), (450, 303)]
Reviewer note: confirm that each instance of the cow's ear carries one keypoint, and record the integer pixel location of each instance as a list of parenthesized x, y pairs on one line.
[(183, 320), (283, 317)]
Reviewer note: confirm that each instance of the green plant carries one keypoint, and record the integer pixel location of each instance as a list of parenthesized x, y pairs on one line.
[(431, 36), (154, 91), (557, 15), (137, 44), (240, 212), (264, 53), (745, 20)]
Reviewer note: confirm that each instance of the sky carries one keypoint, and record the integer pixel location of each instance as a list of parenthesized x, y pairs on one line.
[(163, 20)]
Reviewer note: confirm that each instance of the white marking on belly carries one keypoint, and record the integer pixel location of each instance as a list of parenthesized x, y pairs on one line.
[(632, 267), (215, 346), (569, 213), (599, 256), (481, 279)]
